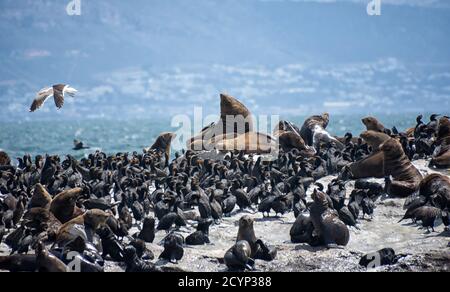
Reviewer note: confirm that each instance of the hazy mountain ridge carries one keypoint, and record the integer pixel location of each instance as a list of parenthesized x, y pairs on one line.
[(164, 57)]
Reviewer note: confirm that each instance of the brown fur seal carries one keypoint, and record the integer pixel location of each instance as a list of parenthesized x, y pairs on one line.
[(396, 164), (308, 127), (442, 160), (327, 225), (231, 112), (410, 132), (239, 256), (18, 263), (289, 138), (42, 220), (63, 205), (231, 107), (302, 230), (197, 143), (162, 144), (92, 219), (371, 166), (314, 132), (250, 143), (41, 198), (4, 159), (441, 157), (374, 139), (214, 141), (444, 131), (46, 262), (372, 124), (246, 232), (286, 126)]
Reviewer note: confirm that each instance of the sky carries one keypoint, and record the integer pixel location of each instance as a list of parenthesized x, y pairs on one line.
[(157, 58)]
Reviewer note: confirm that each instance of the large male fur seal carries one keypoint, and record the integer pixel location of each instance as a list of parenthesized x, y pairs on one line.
[(201, 141), (92, 219), (250, 143), (41, 198), (234, 131), (372, 124), (374, 139), (231, 111), (231, 107), (406, 177), (327, 225), (63, 205), (371, 166), (210, 144)]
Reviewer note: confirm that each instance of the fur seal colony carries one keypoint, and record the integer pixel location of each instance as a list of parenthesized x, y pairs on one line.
[(322, 203)]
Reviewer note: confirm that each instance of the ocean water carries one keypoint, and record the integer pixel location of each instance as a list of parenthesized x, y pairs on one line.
[(56, 137), (112, 136)]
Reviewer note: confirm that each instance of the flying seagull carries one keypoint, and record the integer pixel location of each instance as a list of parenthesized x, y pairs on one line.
[(58, 91)]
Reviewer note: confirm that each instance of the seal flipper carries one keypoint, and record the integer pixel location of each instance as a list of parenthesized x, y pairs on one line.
[(265, 253), (250, 264)]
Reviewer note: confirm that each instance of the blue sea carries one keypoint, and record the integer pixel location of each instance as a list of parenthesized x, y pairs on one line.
[(144, 61), (112, 136)]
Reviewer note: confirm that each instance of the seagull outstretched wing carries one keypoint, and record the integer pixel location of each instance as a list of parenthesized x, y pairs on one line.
[(41, 98)]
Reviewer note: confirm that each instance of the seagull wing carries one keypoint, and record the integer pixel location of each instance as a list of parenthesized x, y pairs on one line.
[(60, 91), (41, 98), (69, 91), (58, 95)]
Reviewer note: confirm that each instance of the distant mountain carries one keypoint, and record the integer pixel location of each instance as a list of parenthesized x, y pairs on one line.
[(146, 58)]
